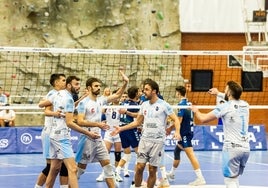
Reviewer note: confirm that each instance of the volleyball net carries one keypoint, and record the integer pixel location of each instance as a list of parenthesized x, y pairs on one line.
[(25, 72)]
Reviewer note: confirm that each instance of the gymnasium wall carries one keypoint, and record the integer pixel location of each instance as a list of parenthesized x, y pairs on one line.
[(223, 41)]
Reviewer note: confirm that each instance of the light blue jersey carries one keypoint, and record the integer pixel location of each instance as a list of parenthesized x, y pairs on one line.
[(155, 120), (92, 110), (235, 117), (64, 102)]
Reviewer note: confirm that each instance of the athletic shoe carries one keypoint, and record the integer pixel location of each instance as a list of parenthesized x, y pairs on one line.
[(100, 178), (118, 177), (126, 173), (171, 176), (198, 181), (163, 183)]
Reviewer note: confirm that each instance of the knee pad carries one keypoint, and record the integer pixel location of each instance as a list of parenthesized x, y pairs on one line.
[(177, 153), (45, 171), (117, 156), (63, 170), (127, 157), (108, 171)]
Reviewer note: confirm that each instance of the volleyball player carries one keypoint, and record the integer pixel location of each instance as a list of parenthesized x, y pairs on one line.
[(186, 120), (89, 117), (112, 118), (129, 138), (153, 114), (58, 82), (58, 145), (235, 117)]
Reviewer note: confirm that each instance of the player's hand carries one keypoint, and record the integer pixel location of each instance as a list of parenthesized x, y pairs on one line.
[(104, 126), (125, 78), (168, 130), (93, 135), (177, 135), (122, 110), (115, 131), (213, 91)]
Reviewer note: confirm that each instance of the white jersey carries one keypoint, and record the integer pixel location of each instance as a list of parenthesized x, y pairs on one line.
[(155, 120), (92, 110), (112, 118), (49, 119), (64, 102), (235, 118)]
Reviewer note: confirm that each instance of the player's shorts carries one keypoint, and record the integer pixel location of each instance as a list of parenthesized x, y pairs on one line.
[(130, 138), (45, 144), (151, 152), (186, 140), (90, 151), (60, 149), (234, 159), (111, 139)]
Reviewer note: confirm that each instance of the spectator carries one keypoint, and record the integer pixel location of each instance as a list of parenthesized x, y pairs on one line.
[(3, 97), (7, 117)]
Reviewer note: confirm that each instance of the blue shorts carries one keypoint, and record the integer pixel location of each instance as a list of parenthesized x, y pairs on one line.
[(130, 138), (186, 140)]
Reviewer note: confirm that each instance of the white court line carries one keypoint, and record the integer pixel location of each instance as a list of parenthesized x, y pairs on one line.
[(11, 165), (213, 186)]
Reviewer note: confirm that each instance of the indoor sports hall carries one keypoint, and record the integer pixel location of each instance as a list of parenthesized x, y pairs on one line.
[(199, 45)]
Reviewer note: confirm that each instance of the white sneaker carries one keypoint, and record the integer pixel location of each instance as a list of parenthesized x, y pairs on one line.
[(198, 181), (163, 183), (117, 177), (100, 178), (126, 173), (171, 176)]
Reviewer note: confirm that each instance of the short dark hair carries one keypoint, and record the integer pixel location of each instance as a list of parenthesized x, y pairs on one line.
[(152, 84), (91, 80), (132, 92), (181, 90), (235, 88), (54, 77), (71, 78)]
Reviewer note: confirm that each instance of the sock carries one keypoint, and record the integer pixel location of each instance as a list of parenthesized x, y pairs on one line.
[(80, 171), (199, 173), (126, 166), (37, 186), (118, 169), (163, 172), (173, 169), (64, 186)]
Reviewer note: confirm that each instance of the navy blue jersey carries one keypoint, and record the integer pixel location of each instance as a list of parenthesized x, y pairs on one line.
[(187, 118), (126, 119)]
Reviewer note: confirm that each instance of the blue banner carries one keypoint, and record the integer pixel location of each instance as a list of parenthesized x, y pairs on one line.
[(8, 141), (206, 138)]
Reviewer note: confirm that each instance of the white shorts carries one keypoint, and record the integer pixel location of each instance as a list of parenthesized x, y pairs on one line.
[(111, 139), (150, 152), (89, 151), (60, 149)]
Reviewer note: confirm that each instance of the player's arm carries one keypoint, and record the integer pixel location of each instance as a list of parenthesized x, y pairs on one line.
[(71, 124), (44, 103), (177, 125), (137, 122), (85, 123), (120, 91), (203, 117)]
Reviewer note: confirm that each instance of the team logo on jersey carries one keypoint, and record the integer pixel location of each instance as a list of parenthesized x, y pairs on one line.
[(145, 112), (92, 110), (156, 108)]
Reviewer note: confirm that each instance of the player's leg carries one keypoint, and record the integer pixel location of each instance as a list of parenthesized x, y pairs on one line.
[(72, 172), (41, 179), (55, 166), (64, 181), (176, 162)]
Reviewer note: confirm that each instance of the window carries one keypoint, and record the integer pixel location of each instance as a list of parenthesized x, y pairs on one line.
[(201, 80), (252, 81)]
